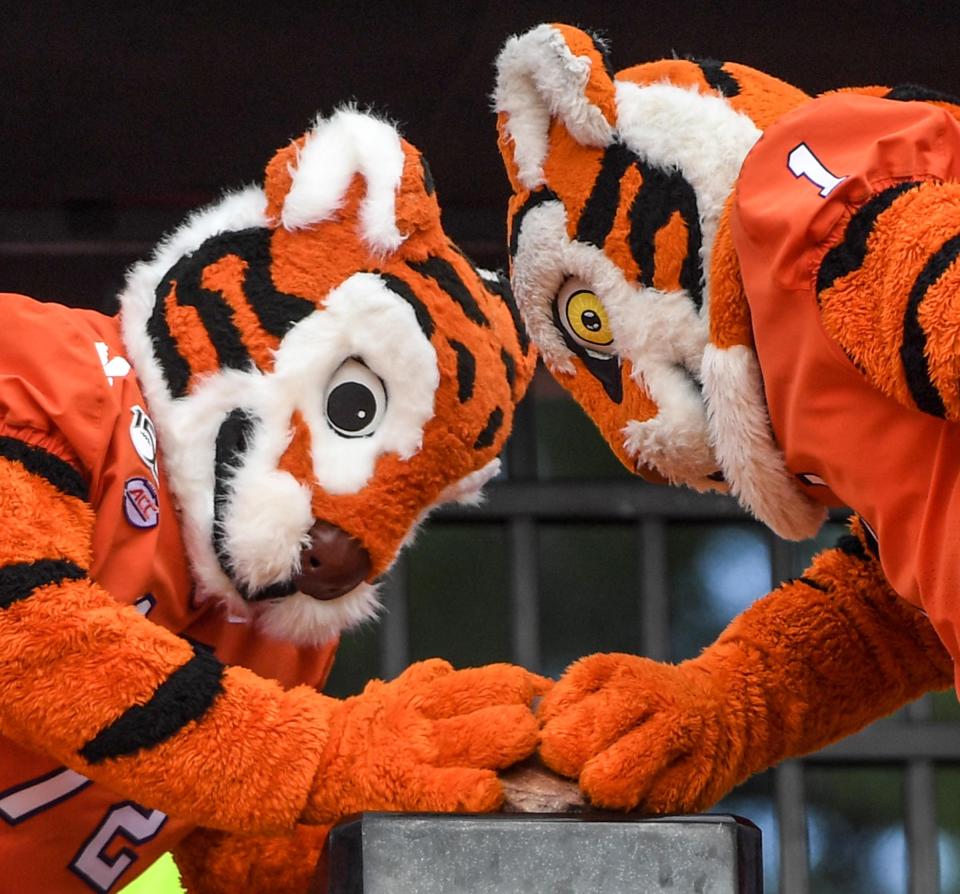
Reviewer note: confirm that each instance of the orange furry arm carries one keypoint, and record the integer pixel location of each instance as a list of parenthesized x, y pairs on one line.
[(815, 660), (134, 707)]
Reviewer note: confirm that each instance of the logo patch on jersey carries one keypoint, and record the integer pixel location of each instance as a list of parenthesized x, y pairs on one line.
[(113, 367), (143, 435), (811, 480), (141, 504)]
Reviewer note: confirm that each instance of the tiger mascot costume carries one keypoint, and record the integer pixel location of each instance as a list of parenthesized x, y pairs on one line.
[(197, 497), (753, 291)]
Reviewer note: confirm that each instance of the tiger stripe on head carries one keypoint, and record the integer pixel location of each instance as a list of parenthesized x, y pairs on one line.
[(323, 366), (621, 258)]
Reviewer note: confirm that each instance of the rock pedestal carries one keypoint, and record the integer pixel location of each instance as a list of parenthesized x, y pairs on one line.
[(398, 853)]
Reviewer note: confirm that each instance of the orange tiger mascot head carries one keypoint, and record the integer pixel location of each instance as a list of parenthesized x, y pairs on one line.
[(323, 366), (622, 263)]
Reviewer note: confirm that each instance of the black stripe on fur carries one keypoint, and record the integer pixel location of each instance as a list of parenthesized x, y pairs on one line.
[(501, 288), (850, 254), (443, 273), (64, 477), (600, 209), (852, 546), (917, 93), (489, 433), (19, 580), (537, 197), (277, 311), (660, 195), (509, 367), (186, 695), (466, 371), (721, 81), (916, 368), (403, 290), (231, 446)]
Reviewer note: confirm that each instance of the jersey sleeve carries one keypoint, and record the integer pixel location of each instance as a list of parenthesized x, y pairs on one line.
[(846, 224), (857, 199), (89, 681)]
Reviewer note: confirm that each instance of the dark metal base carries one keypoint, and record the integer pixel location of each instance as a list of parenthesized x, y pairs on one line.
[(399, 853)]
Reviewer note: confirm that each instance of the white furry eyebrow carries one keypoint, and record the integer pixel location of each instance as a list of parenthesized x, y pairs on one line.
[(335, 150)]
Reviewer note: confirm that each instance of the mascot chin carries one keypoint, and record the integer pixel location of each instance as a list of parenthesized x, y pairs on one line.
[(752, 290), (198, 497)]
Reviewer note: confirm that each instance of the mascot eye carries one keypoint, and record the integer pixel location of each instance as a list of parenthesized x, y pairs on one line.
[(584, 317), (355, 400)]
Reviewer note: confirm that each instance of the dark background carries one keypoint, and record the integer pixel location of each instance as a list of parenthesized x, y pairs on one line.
[(117, 118)]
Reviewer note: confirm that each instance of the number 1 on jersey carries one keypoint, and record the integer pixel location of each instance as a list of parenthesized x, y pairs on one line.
[(803, 163)]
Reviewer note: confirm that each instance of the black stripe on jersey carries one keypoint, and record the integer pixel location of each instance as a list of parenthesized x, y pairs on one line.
[(509, 367), (537, 197), (401, 289), (466, 371), (660, 195), (489, 433), (64, 477), (501, 288), (915, 92), (916, 370), (186, 695), (600, 209), (849, 255), (444, 275), (18, 581), (721, 81)]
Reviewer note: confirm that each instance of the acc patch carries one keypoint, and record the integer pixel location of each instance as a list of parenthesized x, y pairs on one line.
[(141, 504)]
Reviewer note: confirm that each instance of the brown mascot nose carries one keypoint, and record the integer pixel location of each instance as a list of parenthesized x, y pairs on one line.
[(333, 564)]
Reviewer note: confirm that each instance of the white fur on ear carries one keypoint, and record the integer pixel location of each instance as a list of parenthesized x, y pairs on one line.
[(539, 78), (335, 150)]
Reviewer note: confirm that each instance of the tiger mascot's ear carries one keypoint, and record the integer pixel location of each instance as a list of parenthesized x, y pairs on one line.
[(353, 171), (554, 73)]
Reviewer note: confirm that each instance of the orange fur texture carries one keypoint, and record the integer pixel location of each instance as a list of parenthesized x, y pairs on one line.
[(787, 677), (79, 671), (819, 657)]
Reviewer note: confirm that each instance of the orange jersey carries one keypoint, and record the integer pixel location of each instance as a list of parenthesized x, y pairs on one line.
[(66, 388), (845, 225)]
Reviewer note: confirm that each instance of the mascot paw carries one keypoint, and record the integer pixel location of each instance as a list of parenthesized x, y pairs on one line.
[(640, 734), (428, 741)]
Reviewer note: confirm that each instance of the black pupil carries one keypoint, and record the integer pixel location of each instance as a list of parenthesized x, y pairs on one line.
[(591, 320), (351, 406)]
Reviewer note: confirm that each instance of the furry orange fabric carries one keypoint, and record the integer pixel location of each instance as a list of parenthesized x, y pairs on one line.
[(321, 367), (745, 313), (812, 662), (217, 863)]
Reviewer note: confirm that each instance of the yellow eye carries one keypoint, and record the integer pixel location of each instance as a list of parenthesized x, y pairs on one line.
[(584, 317)]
